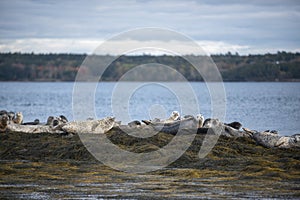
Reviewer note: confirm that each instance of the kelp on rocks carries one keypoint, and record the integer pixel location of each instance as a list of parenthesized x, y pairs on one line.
[(57, 147)]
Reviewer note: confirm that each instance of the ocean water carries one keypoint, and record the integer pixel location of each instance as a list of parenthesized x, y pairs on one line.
[(259, 106)]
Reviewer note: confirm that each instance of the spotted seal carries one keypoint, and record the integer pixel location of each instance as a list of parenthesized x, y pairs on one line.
[(11, 116), (3, 112), (222, 129), (271, 139), (89, 126), (134, 123), (235, 125), (174, 123), (200, 119), (49, 120), (174, 116), (3, 122), (63, 119), (35, 122), (18, 118), (56, 121)]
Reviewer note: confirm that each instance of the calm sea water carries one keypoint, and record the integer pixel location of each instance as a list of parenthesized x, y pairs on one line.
[(259, 106)]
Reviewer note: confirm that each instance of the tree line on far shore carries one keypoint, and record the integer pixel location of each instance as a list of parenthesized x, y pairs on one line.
[(281, 66)]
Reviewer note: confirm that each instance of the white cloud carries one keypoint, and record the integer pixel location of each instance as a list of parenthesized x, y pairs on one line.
[(49, 45), (89, 46), (252, 25)]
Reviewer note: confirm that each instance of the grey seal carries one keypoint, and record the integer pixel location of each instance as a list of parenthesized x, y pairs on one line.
[(18, 118), (271, 139), (235, 125), (35, 122), (134, 123), (200, 119), (11, 115), (3, 122)]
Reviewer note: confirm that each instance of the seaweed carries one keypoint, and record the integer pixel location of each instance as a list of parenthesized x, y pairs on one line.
[(236, 167)]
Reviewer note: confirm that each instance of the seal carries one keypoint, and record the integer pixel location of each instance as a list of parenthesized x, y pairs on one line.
[(90, 126), (19, 118), (173, 126), (271, 139), (174, 116), (209, 123), (63, 119), (134, 123), (217, 127), (200, 119), (49, 120), (11, 116), (235, 125), (3, 122), (56, 122), (35, 122), (3, 112)]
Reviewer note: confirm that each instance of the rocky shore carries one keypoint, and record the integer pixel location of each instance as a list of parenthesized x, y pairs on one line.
[(235, 168), (56, 165)]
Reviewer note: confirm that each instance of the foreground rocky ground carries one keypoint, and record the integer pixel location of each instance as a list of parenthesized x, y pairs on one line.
[(50, 166)]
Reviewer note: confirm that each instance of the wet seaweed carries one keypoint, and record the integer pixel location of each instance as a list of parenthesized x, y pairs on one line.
[(236, 167)]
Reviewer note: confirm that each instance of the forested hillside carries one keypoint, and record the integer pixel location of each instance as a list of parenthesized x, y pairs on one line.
[(282, 66)]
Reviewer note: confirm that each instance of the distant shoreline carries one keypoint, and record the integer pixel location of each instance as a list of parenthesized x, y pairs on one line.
[(60, 81), (279, 67)]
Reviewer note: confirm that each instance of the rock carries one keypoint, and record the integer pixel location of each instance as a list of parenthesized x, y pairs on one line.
[(90, 126)]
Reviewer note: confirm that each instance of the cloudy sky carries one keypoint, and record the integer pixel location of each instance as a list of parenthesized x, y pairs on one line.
[(218, 26)]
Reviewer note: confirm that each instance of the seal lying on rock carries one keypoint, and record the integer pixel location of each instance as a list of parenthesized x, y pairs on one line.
[(11, 116), (235, 125), (53, 125), (56, 122), (200, 119), (175, 116), (272, 139), (3, 122), (224, 129), (35, 122), (134, 123), (18, 118), (172, 127), (174, 123), (90, 126), (35, 129)]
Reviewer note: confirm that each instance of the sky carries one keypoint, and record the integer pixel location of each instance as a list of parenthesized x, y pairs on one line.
[(217, 26)]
